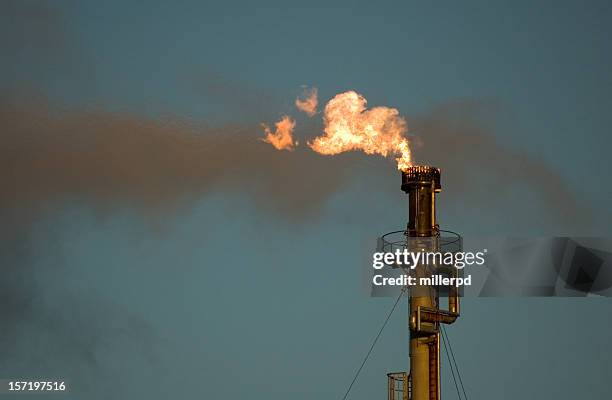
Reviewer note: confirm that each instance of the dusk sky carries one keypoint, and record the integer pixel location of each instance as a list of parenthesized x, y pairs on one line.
[(153, 247)]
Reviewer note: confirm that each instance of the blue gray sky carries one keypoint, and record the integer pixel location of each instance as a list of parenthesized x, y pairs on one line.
[(154, 248)]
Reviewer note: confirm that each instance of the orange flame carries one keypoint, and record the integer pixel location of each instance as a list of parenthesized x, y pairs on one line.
[(282, 137), (308, 101), (350, 126)]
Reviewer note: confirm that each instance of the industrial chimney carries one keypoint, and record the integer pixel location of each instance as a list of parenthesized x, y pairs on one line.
[(422, 183)]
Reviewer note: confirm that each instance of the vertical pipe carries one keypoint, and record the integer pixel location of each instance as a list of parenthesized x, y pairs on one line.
[(433, 370)]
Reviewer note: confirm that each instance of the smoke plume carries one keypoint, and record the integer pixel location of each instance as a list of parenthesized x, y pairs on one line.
[(105, 159), (480, 172), (308, 101)]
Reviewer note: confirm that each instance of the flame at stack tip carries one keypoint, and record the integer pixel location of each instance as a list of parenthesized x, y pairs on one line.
[(350, 126), (282, 137)]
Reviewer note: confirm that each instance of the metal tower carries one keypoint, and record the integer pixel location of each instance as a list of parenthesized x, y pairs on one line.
[(422, 183)]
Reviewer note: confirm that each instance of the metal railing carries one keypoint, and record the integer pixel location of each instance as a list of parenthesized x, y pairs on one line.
[(399, 386)]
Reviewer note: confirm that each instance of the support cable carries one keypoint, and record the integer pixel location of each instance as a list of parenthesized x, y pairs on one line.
[(450, 363), (373, 344), (452, 353)]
